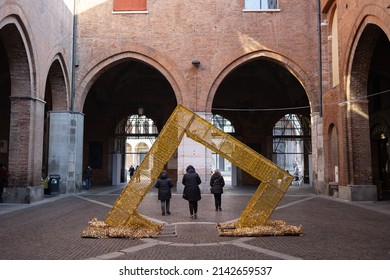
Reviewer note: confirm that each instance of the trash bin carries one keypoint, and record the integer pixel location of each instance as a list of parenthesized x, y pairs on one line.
[(53, 184)]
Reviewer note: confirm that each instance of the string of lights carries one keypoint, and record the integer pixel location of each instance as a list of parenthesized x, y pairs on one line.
[(287, 108)]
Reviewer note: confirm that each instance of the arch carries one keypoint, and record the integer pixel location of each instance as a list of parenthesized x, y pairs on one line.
[(222, 123), (25, 159), (136, 125), (59, 84), (307, 82), (370, 20), (13, 15), (142, 147), (18, 46), (370, 24), (92, 71), (290, 151)]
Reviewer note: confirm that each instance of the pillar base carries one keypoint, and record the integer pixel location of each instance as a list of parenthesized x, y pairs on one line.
[(358, 192), (23, 195)]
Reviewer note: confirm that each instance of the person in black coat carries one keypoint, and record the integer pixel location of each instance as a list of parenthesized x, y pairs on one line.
[(217, 183), (131, 171), (191, 192), (164, 185), (88, 177)]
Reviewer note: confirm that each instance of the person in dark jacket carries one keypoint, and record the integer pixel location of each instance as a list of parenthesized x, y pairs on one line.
[(191, 192), (217, 183), (88, 176), (164, 185), (131, 171)]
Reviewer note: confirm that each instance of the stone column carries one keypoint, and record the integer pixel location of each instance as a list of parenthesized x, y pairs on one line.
[(25, 150), (193, 153), (357, 184), (65, 156), (116, 169), (317, 154)]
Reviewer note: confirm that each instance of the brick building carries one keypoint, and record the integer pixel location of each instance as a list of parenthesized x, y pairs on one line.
[(309, 75)]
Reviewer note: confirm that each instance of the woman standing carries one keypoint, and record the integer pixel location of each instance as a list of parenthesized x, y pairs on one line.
[(217, 183), (164, 185), (191, 192)]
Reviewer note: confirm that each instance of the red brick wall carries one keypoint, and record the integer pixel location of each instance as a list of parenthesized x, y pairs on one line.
[(216, 33), (34, 35), (348, 109)]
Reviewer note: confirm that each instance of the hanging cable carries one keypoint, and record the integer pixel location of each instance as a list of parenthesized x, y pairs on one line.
[(288, 108), (378, 93), (261, 109)]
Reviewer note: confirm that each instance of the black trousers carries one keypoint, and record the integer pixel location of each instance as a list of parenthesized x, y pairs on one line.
[(218, 200), (193, 207), (165, 206)]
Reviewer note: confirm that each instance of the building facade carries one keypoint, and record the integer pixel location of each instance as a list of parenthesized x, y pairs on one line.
[(73, 72)]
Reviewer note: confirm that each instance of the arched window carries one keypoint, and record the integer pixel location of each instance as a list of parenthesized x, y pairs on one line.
[(223, 124), (335, 50), (141, 150), (137, 133), (140, 126), (291, 143)]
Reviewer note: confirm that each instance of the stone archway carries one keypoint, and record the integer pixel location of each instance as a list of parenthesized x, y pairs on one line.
[(26, 112), (378, 92), (307, 82), (63, 130), (358, 181), (255, 92), (121, 89), (92, 71)]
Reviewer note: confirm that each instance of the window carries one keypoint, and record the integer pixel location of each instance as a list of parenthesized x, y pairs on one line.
[(223, 124), (335, 50), (137, 125), (129, 5), (261, 4), (291, 142)]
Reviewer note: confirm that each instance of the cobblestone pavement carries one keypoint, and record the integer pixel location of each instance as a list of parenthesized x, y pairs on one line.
[(333, 229)]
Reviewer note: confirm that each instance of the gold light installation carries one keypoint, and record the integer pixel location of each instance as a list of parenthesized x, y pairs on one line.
[(123, 220)]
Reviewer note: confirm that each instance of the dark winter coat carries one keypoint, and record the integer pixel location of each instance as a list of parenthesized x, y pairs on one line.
[(164, 185), (88, 173), (217, 183), (191, 181)]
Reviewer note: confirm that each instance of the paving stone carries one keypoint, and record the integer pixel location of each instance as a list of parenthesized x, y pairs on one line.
[(333, 229)]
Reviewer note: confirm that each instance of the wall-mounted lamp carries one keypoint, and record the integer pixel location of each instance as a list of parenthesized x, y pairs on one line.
[(196, 63)]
